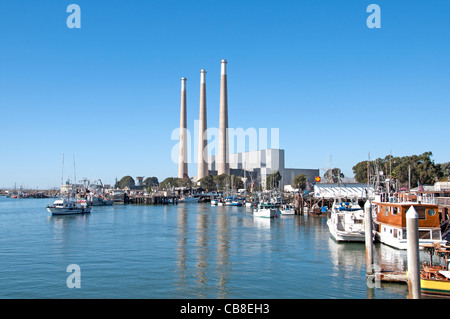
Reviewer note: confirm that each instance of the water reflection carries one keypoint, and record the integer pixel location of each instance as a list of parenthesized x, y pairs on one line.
[(202, 249), (223, 247), (182, 246)]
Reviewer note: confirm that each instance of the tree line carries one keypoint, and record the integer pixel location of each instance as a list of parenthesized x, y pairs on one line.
[(414, 169)]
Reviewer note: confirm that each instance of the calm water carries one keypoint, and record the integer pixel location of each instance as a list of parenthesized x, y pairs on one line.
[(182, 251)]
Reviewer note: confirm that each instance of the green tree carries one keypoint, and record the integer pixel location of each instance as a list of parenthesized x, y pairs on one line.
[(126, 181), (170, 182), (273, 180), (208, 183), (299, 182), (222, 180), (333, 175), (422, 168), (151, 181), (237, 182)]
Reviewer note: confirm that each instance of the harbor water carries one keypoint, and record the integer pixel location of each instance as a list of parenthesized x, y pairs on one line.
[(181, 251)]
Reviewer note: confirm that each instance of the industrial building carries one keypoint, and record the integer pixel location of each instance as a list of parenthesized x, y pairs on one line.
[(256, 166)]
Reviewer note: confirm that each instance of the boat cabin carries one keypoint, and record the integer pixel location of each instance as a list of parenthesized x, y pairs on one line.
[(390, 222)]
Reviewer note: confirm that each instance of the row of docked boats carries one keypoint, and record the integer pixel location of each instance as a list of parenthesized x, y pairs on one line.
[(346, 223), (268, 207)]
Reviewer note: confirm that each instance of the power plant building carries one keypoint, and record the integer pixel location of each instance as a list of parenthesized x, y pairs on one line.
[(256, 166)]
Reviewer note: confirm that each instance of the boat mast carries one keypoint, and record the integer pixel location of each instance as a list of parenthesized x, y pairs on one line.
[(62, 173)]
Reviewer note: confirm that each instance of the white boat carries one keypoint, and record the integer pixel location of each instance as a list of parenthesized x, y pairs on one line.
[(266, 210), (346, 221), (287, 209), (213, 202), (68, 207), (189, 199)]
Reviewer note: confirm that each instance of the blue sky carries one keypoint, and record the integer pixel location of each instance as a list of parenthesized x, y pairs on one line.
[(109, 93)]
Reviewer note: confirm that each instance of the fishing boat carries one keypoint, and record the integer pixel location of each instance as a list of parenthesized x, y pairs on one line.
[(435, 279), (346, 221), (99, 201), (65, 206), (267, 210), (390, 221), (287, 209)]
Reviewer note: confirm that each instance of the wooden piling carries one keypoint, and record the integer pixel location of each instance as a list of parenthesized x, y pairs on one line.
[(368, 236), (412, 228)]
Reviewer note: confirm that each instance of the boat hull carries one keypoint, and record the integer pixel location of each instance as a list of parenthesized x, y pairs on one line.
[(435, 287), (385, 236), (68, 211), (265, 213), (287, 211), (345, 236)]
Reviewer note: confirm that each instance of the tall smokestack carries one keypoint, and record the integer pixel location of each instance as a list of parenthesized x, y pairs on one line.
[(223, 166), (202, 168), (182, 159)]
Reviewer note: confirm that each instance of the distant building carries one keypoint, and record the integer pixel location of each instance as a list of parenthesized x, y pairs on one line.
[(139, 180), (442, 186), (256, 166)]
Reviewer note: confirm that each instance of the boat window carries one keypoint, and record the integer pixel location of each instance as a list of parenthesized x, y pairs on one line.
[(404, 234), (386, 211), (395, 233), (431, 212), (394, 210), (421, 212), (424, 234), (436, 234)]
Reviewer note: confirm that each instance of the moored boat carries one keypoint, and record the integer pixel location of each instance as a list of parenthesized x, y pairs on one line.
[(346, 221), (267, 210), (435, 279), (390, 221), (287, 209), (65, 206)]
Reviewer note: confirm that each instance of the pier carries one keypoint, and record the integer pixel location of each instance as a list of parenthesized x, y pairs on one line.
[(150, 200)]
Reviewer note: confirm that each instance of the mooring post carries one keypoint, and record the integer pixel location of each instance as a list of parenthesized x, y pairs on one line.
[(412, 227), (369, 236)]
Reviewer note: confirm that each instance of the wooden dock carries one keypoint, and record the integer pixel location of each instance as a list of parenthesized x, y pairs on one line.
[(392, 276), (150, 200)]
